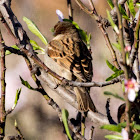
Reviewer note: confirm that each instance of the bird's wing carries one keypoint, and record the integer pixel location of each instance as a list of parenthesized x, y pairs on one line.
[(72, 55)]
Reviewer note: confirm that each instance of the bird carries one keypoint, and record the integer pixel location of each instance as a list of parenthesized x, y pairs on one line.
[(71, 60)]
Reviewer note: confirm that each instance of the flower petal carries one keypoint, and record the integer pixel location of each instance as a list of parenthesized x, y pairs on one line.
[(60, 15), (124, 134), (131, 95)]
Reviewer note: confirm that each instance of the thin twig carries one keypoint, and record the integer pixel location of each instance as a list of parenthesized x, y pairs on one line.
[(93, 8), (83, 120), (3, 88), (69, 4), (49, 100), (91, 133), (121, 39), (77, 134), (101, 26), (136, 69), (67, 82), (14, 51), (93, 83), (135, 48), (22, 38), (7, 27), (19, 131), (97, 118), (110, 119)]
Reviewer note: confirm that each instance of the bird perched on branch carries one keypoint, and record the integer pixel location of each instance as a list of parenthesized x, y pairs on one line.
[(72, 60)]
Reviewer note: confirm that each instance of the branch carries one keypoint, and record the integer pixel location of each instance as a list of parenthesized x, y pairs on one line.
[(69, 4), (3, 88), (92, 84), (121, 39), (14, 51), (93, 8), (127, 30), (135, 48), (22, 38), (91, 133), (101, 26), (110, 119), (75, 131), (19, 131), (97, 118), (49, 100), (136, 69), (7, 27)]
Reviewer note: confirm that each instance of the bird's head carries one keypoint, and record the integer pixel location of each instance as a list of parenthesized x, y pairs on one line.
[(64, 27)]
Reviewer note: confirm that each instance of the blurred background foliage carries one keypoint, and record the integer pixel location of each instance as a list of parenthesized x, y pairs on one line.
[(36, 119)]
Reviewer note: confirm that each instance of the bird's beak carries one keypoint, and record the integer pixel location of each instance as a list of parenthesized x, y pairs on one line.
[(54, 33)]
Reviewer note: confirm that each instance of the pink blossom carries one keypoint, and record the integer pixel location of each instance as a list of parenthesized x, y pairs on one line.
[(131, 86), (127, 48)]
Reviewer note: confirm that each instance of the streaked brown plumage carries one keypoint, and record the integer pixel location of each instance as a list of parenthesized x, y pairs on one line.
[(69, 52)]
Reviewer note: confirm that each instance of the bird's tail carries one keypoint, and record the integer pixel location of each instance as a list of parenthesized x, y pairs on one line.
[(84, 100)]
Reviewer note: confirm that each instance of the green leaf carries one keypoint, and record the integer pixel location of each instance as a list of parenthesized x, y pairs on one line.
[(123, 124), (15, 47), (65, 116), (138, 4), (33, 28), (113, 68), (26, 84), (123, 12), (16, 98), (112, 22), (131, 8), (117, 45), (110, 4), (74, 23), (136, 126), (114, 137), (36, 46), (112, 127), (114, 95), (116, 74), (84, 36), (136, 137)]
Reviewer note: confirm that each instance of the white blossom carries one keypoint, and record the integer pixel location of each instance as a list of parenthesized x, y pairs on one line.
[(124, 134), (131, 95), (60, 15)]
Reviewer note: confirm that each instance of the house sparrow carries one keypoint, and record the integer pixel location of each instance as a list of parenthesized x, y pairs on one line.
[(71, 60)]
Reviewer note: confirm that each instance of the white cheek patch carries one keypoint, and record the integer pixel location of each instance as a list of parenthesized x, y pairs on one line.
[(58, 37)]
